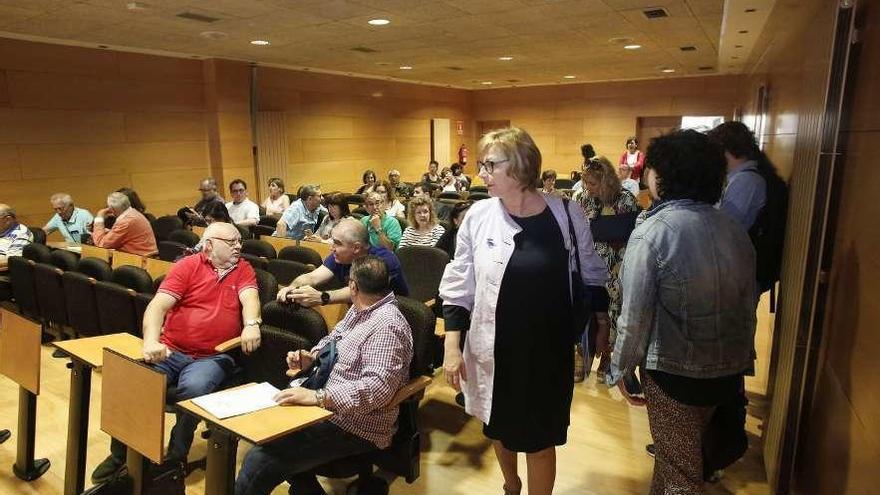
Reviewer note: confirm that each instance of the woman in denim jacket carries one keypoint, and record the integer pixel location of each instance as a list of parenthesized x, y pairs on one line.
[(688, 306)]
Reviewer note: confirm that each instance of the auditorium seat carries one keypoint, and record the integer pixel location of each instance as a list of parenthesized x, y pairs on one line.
[(50, 295), (64, 259), (38, 253), (476, 196), (423, 268), (267, 286), (268, 221), (301, 254), (170, 250), (479, 189), (305, 322), (286, 271), (116, 299), (564, 183), (96, 268), (164, 226), (21, 277), (257, 262), (449, 195), (269, 362), (39, 235), (82, 303), (262, 230), (186, 237), (258, 248)]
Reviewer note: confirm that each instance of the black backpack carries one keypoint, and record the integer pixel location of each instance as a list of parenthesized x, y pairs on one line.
[(768, 231)]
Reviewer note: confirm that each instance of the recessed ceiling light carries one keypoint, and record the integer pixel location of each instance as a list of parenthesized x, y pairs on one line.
[(214, 35), (136, 6), (377, 94), (378, 22), (668, 71), (260, 42), (405, 67), (505, 58), (568, 77), (632, 47), (486, 83)]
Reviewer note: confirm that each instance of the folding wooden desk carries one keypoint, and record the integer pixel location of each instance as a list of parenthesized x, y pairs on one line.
[(121, 258), (258, 427), (321, 248), (156, 267), (278, 243), (87, 354), (97, 252)]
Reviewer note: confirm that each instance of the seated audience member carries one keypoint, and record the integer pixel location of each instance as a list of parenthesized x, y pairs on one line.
[(402, 189), (431, 176), (693, 346), (300, 219), (393, 206), (277, 201), (242, 210), (214, 212), (201, 303), (464, 182), (447, 240), (383, 228), (421, 191), (131, 232), (447, 181), (548, 183), (71, 221), (14, 236), (624, 173), (373, 352), (134, 199), (337, 209), (350, 242), (369, 181), (194, 216), (424, 229)]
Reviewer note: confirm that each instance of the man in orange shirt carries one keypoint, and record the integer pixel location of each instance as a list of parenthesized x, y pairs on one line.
[(132, 232)]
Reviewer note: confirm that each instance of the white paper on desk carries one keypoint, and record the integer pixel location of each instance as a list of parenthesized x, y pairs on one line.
[(229, 403)]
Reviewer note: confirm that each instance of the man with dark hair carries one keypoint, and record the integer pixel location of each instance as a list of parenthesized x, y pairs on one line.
[(301, 218), (746, 190), (373, 352), (196, 214), (242, 210)]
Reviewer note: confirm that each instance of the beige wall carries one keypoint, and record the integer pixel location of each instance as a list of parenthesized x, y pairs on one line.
[(561, 118)]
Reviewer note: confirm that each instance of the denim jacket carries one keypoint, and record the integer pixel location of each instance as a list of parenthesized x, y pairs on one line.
[(688, 294)]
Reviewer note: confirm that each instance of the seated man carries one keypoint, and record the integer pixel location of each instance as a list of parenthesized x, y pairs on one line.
[(14, 236), (196, 214), (350, 242), (383, 228), (401, 188), (242, 210), (131, 232), (301, 218), (374, 350), (200, 304), (73, 222)]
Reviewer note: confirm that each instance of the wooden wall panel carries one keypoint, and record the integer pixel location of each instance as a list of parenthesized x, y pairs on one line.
[(4, 89), (27, 126)]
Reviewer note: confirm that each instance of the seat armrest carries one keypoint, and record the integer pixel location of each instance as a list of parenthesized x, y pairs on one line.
[(228, 345), (430, 302), (414, 386)]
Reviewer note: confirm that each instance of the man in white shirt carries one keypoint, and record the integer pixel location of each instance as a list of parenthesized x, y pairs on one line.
[(242, 210), (624, 172)]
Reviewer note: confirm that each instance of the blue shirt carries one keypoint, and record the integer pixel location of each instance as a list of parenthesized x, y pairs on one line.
[(73, 227), (395, 272), (745, 194), (298, 218)]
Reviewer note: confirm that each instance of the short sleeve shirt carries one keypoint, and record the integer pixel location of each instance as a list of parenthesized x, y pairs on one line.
[(208, 308), (391, 227), (395, 272), (298, 218), (13, 241), (73, 228), (246, 210)]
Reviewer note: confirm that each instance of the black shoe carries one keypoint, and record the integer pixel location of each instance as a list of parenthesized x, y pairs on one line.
[(4, 435), (107, 470), (459, 399), (651, 450)]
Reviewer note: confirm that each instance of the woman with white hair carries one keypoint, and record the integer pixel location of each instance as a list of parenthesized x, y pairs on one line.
[(131, 233)]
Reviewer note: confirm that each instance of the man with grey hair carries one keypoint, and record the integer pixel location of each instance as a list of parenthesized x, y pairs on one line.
[(301, 218), (402, 188), (14, 236), (196, 214), (71, 221), (131, 233), (350, 242)]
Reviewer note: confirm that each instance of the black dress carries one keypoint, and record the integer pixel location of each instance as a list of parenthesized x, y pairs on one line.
[(534, 346)]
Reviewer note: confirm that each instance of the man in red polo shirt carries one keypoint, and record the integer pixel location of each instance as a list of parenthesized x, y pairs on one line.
[(201, 303)]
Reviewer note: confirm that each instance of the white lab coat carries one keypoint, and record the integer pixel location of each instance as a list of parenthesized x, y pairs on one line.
[(473, 280)]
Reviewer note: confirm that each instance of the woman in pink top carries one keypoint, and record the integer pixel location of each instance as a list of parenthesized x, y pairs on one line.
[(277, 201)]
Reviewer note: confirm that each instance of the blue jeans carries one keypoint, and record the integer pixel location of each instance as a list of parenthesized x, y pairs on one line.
[(293, 457), (192, 378)]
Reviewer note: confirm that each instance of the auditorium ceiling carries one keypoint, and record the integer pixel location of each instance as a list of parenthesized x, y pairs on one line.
[(476, 44)]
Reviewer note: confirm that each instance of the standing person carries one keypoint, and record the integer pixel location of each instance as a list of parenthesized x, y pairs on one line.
[(606, 197), (369, 181), (393, 206), (578, 188), (424, 229), (431, 176), (242, 210), (632, 157), (277, 201), (300, 219), (131, 232), (71, 221), (337, 209), (384, 229), (694, 340), (512, 275)]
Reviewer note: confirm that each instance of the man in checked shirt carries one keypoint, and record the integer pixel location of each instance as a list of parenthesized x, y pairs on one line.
[(374, 350)]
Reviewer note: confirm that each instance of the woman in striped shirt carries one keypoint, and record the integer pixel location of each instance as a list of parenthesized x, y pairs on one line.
[(424, 229)]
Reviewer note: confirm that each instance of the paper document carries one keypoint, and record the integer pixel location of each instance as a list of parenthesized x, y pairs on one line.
[(229, 403)]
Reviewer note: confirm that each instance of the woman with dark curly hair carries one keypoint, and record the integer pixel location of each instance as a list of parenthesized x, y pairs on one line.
[(688, 306), (369, 182), (633, 157)]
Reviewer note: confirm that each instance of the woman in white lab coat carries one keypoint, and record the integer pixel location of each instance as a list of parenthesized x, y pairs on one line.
[(509, 288)]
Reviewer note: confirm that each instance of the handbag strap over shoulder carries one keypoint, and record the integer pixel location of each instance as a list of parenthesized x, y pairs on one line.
[(573, 238)]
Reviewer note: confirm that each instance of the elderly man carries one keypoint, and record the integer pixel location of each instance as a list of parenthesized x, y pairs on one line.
[(384, 229), (373, 353), (301, 218), (73, 222), (201, 303), (403, 190), (196, 214), (349, 243), (131, 232), (14, 236), (242, 210)]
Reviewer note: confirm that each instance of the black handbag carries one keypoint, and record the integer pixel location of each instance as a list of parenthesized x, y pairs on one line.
[(165, 479)]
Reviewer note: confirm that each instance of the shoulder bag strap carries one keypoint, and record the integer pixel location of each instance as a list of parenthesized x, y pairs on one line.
[(573, 239)]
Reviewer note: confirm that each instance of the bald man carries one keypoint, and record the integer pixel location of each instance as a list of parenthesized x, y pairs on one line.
[(200, 304), (350, 241)]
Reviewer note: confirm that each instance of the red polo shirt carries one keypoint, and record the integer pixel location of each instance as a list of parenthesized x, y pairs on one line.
[(208, 309)]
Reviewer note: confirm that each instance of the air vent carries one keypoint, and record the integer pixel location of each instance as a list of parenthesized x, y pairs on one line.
[(364, 49), (688, 48), (192, 16), (452, 67), (706, 67), (655, 13)]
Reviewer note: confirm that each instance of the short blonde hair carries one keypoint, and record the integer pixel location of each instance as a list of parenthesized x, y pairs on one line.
[(417, 202), (521, 151)]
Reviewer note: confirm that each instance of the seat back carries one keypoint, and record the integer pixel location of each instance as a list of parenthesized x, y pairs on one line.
[(50, 293), (268, 221), (116, 309), (39, 235), (564, 183), (422, 322), (423, 268), (81, 303), (449, 195), (257, 262), (262, 230), (186, 237), (355, 199), (267, 286), (64, 259), (301, 254), (96, 268), (134, 278), (245, 232), (141, 301), (170, 250), (164, 226), (403, 223), (258, 248), (21, 276), (269, 362), (305, 322), (286, 271), (39, 253), (476, 196)]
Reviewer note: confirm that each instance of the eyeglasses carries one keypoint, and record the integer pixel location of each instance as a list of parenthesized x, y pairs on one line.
[(489, 165), (237, 190), (229, 242)]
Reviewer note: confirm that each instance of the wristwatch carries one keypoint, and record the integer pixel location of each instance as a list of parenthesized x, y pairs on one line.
[(325, 298), (256, 322), (319, 397)]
